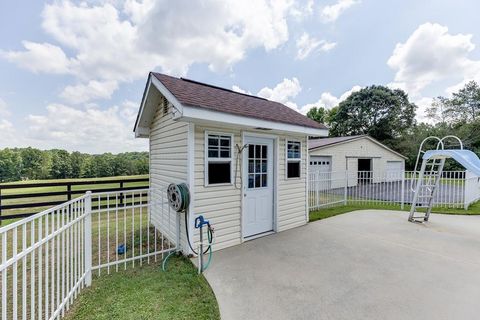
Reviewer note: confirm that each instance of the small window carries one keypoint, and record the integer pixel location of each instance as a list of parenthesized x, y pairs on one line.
[(218, 159), (294, 159)]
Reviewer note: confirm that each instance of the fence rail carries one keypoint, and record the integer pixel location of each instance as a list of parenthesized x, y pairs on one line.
[(387, 188), (48, 258), (20, 200)]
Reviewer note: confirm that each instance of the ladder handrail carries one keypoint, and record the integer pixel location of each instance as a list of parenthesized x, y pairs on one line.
[(460, 143), (420, 152)]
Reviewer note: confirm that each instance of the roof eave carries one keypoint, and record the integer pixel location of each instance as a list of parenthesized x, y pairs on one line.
[(198, 114), (141, 129)]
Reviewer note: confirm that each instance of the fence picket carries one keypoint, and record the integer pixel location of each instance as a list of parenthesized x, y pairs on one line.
[(387, 188), (58, 245)]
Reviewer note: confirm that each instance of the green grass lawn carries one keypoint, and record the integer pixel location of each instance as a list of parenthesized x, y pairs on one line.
[(147, 292), (474, 209)]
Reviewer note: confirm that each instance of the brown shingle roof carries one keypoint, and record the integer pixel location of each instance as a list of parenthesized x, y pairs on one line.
[(197, 94)]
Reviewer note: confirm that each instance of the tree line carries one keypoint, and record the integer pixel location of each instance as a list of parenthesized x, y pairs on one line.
[(388, 116), (32, 164)]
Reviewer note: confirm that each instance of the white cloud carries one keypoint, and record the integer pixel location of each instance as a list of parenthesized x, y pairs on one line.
[(40, 57), (8, 133), (129, 110), (240, 90), (422, 104), (93, 90), (328, 100), (88, 129), (306, 45), (4, 112), (283, 92), (332, 12), (115, 41), (432, 54)]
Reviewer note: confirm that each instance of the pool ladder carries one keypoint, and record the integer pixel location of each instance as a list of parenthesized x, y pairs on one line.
[(428, 180)]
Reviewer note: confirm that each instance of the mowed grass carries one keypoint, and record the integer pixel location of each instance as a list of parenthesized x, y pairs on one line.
[(148, 292), (474, 209)]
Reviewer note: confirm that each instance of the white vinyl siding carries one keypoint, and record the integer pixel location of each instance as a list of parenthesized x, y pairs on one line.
[(292, 202), (220, 204), (168, 164)]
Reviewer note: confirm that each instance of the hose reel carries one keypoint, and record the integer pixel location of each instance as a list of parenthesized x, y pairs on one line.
[(178, 196)]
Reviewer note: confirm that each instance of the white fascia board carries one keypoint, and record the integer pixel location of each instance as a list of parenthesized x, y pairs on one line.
[(143, 132), (167, 94), (200, 114)]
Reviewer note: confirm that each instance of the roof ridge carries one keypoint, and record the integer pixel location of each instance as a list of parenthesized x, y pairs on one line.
[(221, 88)]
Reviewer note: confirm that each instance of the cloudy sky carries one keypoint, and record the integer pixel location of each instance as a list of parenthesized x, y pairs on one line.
[(72, 73)]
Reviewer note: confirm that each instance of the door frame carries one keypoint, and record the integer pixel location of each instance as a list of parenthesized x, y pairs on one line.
[(275, 139)]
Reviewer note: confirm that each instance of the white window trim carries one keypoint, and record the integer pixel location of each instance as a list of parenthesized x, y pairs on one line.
[(217, 160), (287, 160)]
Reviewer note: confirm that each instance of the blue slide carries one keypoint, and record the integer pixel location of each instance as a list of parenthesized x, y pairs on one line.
[(466, 158)]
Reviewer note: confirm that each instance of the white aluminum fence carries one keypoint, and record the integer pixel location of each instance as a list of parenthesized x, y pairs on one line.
[(387, 188), (48, 258)]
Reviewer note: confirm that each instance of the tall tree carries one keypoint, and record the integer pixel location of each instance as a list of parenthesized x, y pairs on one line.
[(378, 111), (317, 114), (463, 106), (61, 165), (10, 165)]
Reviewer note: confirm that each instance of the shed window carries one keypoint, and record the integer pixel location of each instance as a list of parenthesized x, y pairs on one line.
[(218, 159), (294, 159)]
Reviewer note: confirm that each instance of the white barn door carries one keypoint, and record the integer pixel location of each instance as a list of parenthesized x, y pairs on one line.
[(258, 186)]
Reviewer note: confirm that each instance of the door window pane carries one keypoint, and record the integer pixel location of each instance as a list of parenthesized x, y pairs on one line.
[(257, 166)]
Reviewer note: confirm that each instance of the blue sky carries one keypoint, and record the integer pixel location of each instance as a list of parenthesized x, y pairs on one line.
[(72, 73)]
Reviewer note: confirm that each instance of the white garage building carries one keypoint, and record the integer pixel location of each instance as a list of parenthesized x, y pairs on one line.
[(361, 156)]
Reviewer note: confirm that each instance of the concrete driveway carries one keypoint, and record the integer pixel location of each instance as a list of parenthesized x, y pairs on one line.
[(362, 265)]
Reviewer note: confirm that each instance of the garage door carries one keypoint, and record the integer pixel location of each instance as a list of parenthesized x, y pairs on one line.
[(394, 170), (320, 163), (321, 166)]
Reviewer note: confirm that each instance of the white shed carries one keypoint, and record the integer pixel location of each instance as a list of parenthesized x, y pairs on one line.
[(361, 156), (244, 158)]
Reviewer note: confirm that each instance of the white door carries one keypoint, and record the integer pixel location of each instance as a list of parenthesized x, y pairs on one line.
[(258, 186)]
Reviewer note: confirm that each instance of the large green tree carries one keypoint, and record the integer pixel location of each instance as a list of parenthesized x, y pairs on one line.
[(378, 111), (322, 115), (462, 107)]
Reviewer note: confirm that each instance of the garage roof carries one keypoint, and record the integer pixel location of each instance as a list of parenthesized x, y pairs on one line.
[(327, 142)]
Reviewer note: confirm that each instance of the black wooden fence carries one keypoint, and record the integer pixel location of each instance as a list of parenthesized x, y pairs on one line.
[(20, 203)]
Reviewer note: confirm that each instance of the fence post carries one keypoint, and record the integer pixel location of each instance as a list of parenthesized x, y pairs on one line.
[(402, 200), (88, 239), (345, 189)]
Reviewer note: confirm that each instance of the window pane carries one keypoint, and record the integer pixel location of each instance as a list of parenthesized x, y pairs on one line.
[(218, 173), (225, 153), (251, 166), (251, 180), (264, 180), (251, 151), (257, 166), (213, 153), (293, 150), (225, 142), (264, 165), (264, 152), (257, 181), (257, 151), (213, 140), (293, 170)]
